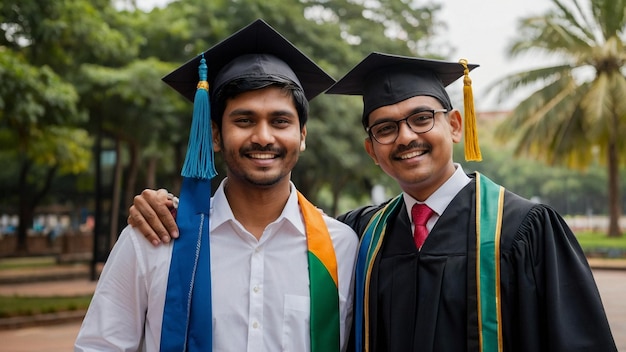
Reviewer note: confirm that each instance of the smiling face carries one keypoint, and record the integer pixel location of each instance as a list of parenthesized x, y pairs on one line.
[(420, 163), (260, 137)]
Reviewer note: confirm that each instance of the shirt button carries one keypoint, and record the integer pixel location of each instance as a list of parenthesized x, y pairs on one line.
[(255, 325), (256, 289)]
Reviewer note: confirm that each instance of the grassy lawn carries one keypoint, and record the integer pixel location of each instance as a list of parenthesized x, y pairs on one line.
[(12, 306), (592, 240), (23, 306), (27, 262)]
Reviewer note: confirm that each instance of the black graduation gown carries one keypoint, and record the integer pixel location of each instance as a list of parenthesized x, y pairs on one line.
[(426, 300)]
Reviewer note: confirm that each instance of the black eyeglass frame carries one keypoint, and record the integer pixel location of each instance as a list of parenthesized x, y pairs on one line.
[(405, 119)]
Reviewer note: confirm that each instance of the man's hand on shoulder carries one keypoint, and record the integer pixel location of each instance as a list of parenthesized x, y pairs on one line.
[(153, 214)]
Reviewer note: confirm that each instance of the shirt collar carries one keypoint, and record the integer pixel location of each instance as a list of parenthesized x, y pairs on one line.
[(292, 212), (439, 200), (223, 214)]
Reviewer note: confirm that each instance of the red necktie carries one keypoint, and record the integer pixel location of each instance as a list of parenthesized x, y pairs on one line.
[(420, 213)]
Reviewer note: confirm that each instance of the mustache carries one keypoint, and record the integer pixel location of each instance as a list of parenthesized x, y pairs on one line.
[(413, 145), (259, 148)]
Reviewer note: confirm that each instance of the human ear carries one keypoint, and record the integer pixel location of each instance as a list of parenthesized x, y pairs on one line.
[(217, 137), (303, 139), (456, 125), (369, 148)]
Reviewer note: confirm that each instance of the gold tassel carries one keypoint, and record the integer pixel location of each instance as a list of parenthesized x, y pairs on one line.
[(472, 149)]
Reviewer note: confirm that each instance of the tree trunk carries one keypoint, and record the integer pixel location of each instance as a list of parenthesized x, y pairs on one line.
[(131, 179), (24, 215), (614, 191), (117, 190), (29, 199)]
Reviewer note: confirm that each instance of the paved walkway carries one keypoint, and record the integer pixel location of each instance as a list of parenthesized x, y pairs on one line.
[(78, 287), (60, 336), (612, 287)]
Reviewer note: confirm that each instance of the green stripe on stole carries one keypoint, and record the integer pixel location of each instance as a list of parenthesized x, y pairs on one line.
[(489, 208), (323, 281)]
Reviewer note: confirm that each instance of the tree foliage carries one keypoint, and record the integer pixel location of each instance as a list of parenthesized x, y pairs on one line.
[(42, 43), (78, 71), (578, 112)]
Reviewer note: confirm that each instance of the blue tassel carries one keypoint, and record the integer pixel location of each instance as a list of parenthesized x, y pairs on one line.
[(199, 161)]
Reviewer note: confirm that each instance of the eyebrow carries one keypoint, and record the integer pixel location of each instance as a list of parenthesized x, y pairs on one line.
[(413, 111), (250, 112)]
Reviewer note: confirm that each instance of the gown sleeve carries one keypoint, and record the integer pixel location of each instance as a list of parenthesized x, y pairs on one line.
[(358, 218), (550, 298)]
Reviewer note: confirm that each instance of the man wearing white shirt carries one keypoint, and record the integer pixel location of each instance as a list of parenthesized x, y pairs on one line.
[(274, 274)]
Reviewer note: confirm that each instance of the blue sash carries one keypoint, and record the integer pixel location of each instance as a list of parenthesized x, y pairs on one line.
[(187, 316)]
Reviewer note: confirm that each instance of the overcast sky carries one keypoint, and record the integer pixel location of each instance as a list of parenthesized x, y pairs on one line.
[(479, 30)]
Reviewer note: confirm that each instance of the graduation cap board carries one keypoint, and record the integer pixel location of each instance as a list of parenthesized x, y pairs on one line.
[(283, 58), (385, 79)]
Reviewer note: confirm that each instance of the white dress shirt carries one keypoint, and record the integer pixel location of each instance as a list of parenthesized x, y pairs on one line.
[(260, 288)]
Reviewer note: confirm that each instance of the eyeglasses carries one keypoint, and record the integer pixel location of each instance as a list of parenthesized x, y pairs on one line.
[(386, 132)]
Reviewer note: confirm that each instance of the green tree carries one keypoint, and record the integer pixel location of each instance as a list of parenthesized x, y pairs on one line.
[(71, 66), (569, 191), (37, 110), (41, 45), (579, 108)]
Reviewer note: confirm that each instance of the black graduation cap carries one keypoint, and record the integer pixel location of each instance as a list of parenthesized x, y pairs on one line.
[(230, 57), (385, 79), (256, 50)]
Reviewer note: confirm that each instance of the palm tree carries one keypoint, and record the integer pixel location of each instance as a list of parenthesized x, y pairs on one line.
[(577, 112)]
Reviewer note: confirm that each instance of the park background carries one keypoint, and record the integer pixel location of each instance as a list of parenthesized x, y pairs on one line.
[(86, 123)]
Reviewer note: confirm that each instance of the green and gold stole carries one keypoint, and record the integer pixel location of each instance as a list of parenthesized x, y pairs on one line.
[(489, 207)]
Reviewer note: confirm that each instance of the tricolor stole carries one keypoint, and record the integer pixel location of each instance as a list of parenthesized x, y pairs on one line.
[(489, 207), (187, 318), (323, 281)]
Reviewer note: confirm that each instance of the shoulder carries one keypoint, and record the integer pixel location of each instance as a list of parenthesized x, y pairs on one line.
[(340, 232), (542, 217), (532, 225), (132, 237), (517, 203), (358, 218), (526, 213), (132, 245)]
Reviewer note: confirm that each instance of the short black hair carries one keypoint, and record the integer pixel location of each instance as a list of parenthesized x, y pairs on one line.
[(239, 86)]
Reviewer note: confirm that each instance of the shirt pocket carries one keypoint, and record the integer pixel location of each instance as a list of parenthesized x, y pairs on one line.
[(296, 323)]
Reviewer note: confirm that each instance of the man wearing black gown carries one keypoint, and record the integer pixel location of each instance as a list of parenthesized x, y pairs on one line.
[(521, 284), (496, 272)]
